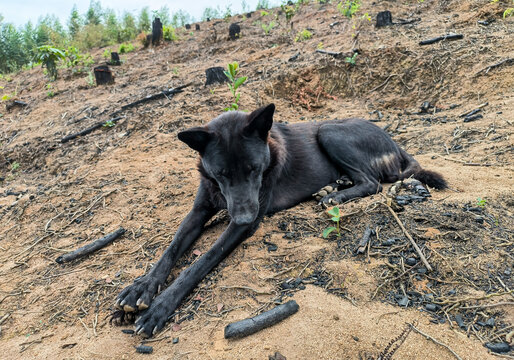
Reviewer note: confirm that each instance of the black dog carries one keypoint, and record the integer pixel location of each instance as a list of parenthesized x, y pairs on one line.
[(253, 167)]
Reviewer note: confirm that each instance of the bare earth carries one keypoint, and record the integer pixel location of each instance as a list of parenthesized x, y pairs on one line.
[(139, 176)]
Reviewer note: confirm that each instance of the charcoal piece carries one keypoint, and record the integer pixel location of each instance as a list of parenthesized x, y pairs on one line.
[(384, 18), (215, 75), (234, 31), (103, 75)]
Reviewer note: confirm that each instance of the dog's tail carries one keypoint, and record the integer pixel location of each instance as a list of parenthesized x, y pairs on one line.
[(428, 177)]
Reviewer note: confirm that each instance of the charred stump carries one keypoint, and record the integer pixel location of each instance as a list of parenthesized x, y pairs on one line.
[(188, 26), (215, 75), (197, 27), (115, 59), (103, 75), (384, 18), (157, 34), (234, 31)]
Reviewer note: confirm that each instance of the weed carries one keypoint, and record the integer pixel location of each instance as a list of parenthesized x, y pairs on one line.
[(481, 203), (168, 33), (348, 8), (108, 124), (90, 79), (264, 13), (107, 53), (126, 48), (320, 45), (77, 61), (336, 217), (289, 11), (234, 83), (15, 166), (303, 35), (351, 59), (268, 27), (50, 93), (48, 57), (175, 70)]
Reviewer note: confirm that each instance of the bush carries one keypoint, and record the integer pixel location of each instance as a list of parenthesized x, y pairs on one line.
[(126, 48), (168, 33), (48, 57)]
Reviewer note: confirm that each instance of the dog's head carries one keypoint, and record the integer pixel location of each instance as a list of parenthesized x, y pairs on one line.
[(235, 153)]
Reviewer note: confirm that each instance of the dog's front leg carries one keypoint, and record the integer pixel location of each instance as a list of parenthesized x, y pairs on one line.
[(156, 316), (139, 295)]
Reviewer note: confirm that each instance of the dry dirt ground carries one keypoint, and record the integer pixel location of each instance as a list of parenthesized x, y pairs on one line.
[(139, 176)]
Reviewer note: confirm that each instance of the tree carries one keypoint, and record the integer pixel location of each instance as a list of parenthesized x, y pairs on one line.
[(181, 18), (144, 23), (94, 13), (164, 14), (112, 27), (129, 28), (12, 54), (75, 22)]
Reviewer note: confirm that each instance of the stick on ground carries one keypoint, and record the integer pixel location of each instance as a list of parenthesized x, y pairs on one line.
[(90, 129), (416, 247), (266, 319), (361, 248), (441, 38), (91, 247)]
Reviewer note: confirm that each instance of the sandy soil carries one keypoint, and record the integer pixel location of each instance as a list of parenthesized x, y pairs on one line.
[(139, 176)]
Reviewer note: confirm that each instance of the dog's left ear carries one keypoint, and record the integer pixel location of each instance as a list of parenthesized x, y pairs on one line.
[(260, 121), (197, 138)]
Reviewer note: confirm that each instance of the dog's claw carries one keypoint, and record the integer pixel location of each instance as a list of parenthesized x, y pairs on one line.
[(141, 305), (128, 308)]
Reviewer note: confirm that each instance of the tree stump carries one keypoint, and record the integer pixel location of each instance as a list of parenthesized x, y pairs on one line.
[(115, 59), (103, 75), (157, 35), (188, 26), (384, 18), (197, 27), (248, 15), (215, 75), (234, 31)]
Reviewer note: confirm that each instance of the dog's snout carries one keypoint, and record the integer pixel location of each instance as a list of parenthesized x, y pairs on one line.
[(243, 219)]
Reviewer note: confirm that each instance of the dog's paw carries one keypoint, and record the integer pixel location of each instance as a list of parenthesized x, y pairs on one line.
[(330, 200), (344, 182), (324, 191), (153, 319), (137, 296)]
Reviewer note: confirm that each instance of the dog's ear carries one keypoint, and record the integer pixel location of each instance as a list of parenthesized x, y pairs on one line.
[(260, 121), (196, 138)]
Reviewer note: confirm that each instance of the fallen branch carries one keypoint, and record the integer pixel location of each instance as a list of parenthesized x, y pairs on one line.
[(474, 111), (509, 61), (266, 319), (435, 341), (331, 53), (416, 247), (91, 247), (90, 129), (441, 38), (406, 22), (165, 94)]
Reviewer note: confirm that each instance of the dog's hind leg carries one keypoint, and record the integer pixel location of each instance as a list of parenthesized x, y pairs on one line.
[(139, 295), (351, 160)]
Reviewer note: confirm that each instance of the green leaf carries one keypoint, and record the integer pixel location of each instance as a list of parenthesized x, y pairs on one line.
[(335, 218), (334, 211), (239, 82), (237, 97), (327, 231)]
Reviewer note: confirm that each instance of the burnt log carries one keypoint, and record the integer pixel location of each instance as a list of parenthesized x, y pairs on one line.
[(14, 103), (157, 35), (90, 129), (103, 75), (115, 59), (384, 18), (215, 75), (441, 38), (234, 31)]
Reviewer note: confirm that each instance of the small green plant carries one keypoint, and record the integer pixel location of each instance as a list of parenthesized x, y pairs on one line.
[(107, 53), (108, 124), (48, 57), (348, 8), (481, 203), (168, 33), (268, 27), (320, 45), (50, 90), (234, 83), (15, 166), (212, 91), (126, 48), (303, 35), (90, 79), (264, 13), (335, 214), (289, 11), (351, 59)]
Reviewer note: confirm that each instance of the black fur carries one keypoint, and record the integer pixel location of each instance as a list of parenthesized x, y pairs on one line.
[(253, 167)]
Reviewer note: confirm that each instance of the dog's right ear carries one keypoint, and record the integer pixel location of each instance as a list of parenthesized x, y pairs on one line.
[(196, 138)]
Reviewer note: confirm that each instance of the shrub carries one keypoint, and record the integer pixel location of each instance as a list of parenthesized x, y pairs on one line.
[(48, 57), (126, 48), (303, 35), (168, 33)]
